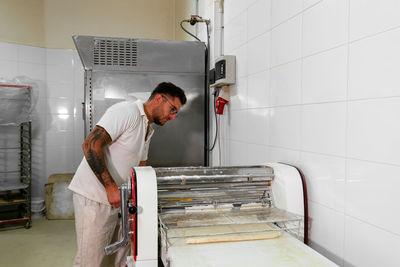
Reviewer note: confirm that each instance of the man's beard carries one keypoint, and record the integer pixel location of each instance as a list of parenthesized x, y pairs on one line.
[(158, 122), (156, 117)]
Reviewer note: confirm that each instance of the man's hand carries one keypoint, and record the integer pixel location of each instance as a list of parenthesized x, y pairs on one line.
[(113, 195)]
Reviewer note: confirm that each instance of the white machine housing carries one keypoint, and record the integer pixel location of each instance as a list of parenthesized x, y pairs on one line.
[(139, 218), (188, 197), (147, 223)]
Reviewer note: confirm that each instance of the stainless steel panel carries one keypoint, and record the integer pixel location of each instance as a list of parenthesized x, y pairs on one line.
[(117, 69), (177, 143), (144, 55)]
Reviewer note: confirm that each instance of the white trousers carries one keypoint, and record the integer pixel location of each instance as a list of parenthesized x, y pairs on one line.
[(97, 225)]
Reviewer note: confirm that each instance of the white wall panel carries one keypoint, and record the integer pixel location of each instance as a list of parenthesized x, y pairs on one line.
[(286, 84), (383, 180), (374, 130), (309, 3), (258, 90), (60, 106), (369, 17), (324, 76), (323, 128), (285, 127), (241, 61), (258, 54), (277, 154), (286, 41), (60, 56), (237, 153), (233, 8), (325, 26), (59, 123), (59, 159), (8, 51), (368, 246), (257, 126), (327, 232), (32, 71), (284, 9), (325, 177), (31, 54), (235, 32), (56, 89), (55, 139), (60, 73), (8, 69), (256, 154), (373, 66), (238, 97), (238, 125), (258, 18)]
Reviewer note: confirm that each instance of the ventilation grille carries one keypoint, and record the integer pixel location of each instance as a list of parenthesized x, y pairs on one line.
[(115, 52)]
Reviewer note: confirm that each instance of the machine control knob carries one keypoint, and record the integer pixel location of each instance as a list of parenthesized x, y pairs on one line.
[(132, 209)]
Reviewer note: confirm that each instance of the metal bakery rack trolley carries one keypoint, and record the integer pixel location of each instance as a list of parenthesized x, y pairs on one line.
[(15, 156)]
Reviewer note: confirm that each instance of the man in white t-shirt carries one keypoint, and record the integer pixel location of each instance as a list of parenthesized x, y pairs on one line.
[(119, 141)]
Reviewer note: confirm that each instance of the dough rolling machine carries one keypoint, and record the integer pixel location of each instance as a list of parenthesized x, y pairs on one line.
[(216, 216)]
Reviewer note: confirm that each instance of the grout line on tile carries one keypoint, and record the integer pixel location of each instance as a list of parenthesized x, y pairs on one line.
[(286, 63), (236, 16), (370, 224), (257, 72), (294, 15), (309, 152), (301, 105), (321, 103), (327, 207), (346, 128), (325, 50), (300, 140), (374, 34), (374, 162), (310, 55), (372, 98)]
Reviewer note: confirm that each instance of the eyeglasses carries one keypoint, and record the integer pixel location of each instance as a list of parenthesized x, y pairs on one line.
[(173, 110)]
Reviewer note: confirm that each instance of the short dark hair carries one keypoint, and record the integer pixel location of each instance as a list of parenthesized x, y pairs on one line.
[(168, 88)]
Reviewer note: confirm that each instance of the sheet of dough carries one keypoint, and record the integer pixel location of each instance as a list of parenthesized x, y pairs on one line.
[(203, 235), (277, 252)]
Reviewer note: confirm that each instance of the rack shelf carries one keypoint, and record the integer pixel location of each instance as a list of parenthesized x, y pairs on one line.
[(15, 181), (15, 154)]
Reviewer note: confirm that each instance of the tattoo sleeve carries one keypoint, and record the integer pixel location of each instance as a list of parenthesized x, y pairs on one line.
[(93, 151)]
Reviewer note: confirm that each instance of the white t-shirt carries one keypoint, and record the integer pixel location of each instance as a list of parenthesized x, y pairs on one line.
[(126, 123)]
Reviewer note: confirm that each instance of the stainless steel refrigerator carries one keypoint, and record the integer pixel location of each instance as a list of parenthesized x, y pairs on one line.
[(117, 69)]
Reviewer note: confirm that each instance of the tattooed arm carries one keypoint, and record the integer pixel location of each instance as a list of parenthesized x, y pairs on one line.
[(93, 151)]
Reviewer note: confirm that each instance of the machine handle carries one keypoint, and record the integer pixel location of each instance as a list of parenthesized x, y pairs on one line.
[(124, 193)]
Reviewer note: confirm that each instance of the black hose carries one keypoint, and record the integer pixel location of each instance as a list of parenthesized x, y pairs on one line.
[(216, 122), (190, 32), (215, 93)]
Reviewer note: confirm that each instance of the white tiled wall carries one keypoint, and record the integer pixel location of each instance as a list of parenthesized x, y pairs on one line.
[(57, 125), (318, 86)]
